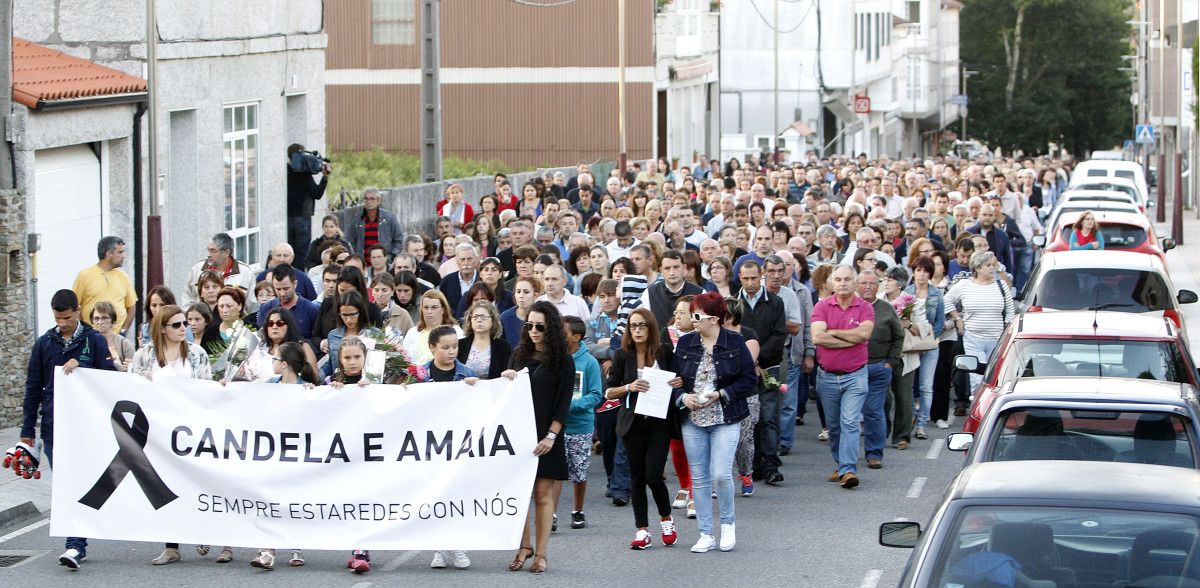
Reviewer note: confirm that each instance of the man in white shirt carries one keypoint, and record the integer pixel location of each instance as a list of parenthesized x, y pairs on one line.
[(554, 279), (623, 243)]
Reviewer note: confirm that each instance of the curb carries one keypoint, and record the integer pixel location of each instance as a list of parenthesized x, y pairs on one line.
[(20, 512)]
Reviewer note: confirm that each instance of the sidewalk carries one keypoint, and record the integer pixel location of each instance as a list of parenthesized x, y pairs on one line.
[(1183, 263), (21, 499)]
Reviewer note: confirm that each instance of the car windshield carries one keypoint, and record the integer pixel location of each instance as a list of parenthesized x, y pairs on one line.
[(1116, 236), (1128, 175), (1119, 289), (1157, 438), (1109, 187), (1146, 360), (1001, 546)]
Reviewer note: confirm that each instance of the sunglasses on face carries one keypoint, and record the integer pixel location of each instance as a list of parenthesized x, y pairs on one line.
[(638, 326), (539, 327), (176, 325), (280, 323), (698, 316)]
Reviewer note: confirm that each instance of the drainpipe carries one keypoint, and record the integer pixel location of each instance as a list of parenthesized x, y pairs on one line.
[(139, 282)]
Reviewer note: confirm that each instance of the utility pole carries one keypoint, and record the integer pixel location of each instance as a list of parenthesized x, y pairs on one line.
[(1177, 211), (7, 174), (1162, 130), (966, 74), (431, 93), (622, 153), (153, 253), (775, 112)]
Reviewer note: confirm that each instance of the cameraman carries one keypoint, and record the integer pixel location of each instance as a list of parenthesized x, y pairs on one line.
[(302, 192)]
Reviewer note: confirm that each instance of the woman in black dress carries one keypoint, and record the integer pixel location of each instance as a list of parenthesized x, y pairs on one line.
[(543, 350)]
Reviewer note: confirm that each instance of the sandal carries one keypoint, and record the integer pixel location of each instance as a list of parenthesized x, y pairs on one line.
[(518, 562), (226, 556), (539, 564)]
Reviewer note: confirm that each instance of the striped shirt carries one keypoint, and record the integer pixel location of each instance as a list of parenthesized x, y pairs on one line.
[(985, 308)]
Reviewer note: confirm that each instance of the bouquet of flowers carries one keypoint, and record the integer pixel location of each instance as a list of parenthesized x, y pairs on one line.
[(904, 304), (229, 358), (771, 384), (398, 368)]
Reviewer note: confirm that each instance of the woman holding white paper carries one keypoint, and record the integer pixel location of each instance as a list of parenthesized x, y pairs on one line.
[(646, 438), (717, 374)]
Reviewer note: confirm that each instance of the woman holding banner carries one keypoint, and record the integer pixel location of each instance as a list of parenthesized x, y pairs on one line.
[(543, 351), (646, 438), (169, 355)]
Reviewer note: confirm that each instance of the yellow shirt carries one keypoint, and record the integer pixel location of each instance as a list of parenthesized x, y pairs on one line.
[(93, 284)]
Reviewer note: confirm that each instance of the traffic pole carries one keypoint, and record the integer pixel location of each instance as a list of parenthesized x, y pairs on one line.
[(1177, 211)]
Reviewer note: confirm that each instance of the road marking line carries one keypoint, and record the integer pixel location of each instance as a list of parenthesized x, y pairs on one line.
[(900, 520), (399, 561), (871, 579), (935, 450), (918, 484), (25, 529), (361, 585)]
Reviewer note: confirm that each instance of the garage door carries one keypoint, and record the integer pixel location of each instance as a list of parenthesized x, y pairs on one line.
[(68, 215)]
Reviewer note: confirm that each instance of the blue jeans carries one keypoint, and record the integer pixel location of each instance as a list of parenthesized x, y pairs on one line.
[(1023, 259), (924, 389), (794, 402), (79, 543), (982, 349), (616, 464), (843, 395), (710, 458), (879, 380)]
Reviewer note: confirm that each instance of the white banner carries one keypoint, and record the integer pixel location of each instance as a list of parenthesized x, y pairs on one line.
[(433, 466)]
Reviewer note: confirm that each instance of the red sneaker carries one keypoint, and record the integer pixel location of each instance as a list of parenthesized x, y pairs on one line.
[(669, 536), (641, 540), (360, 561)]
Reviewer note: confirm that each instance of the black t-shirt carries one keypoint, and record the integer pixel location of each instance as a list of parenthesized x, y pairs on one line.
[(440, 375)]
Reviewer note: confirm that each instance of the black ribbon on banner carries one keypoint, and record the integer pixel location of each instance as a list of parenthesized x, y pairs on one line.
[(130, 458)]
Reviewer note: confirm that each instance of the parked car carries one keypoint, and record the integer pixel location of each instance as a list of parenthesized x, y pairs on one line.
[(1120, 281), (1128, 170), (1050, 524), (1123, 231), (1088, 419), (1071, 344)]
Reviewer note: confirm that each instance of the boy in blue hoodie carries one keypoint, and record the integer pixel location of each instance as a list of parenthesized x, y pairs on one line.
[(581, 418)]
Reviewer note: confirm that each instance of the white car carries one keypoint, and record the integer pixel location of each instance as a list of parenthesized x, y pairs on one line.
[(1117, 281), (1098, 169), (1099, 202)]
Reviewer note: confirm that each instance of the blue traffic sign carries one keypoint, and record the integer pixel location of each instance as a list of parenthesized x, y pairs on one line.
[(959, 100), (1144, 134), (1129, 144)]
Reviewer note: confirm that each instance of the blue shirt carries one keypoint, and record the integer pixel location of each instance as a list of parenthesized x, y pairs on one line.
[(304, 311), (512, 326), (304, 286)]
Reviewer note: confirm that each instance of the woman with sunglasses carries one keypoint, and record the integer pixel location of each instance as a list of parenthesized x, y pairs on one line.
[(483, 347), (279, 329), (646, 439), (290, 364), (169, 355), (544, 352), (353, 321), (718, 375)]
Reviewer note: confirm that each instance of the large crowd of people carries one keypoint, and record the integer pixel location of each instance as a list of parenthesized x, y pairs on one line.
[(760, 285)]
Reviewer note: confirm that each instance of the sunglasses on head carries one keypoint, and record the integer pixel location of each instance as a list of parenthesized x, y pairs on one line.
[(539, 327)]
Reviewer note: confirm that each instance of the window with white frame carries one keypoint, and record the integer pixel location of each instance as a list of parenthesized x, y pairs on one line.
[(241, 180), (393, 22), (687, 27)]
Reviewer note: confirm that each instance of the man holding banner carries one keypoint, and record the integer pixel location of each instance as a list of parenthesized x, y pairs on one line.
[(70, 344)]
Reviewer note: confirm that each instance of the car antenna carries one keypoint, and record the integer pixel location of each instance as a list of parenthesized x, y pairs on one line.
[(1096, 313)]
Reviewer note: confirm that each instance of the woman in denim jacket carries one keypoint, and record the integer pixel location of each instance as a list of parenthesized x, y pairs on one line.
[(717, 375), (935, 310)]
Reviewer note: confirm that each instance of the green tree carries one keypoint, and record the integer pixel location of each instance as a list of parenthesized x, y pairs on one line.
[(1049, 71)]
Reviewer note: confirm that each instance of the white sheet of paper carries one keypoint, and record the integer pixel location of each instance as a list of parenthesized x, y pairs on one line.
[(655, 401)]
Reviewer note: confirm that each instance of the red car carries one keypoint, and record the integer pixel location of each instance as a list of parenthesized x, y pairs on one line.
[(1073, 344), (1123, 231)]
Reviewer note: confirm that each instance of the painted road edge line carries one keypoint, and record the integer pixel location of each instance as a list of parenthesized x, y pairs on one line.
[(25, 529), (871, 579), (918, 484)]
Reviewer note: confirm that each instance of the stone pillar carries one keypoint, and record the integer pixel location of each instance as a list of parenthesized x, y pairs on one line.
[(14, 297)]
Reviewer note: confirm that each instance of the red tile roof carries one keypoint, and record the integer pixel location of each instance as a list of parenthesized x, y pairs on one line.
[(41, 74)]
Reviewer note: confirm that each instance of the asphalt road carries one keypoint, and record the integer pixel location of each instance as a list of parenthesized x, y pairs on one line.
[(806, 532)]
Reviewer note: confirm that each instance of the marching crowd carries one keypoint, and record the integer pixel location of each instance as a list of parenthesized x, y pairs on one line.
[(757, 285)]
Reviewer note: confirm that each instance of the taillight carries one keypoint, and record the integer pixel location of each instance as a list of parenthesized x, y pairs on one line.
[(1174, 316), (1034, 308)]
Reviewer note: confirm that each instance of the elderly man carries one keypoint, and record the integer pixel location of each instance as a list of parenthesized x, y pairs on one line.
[(778, 272), (719, 218), (767, 315), (374, 225), (709, 250), (841, 328), (998, 241), (883, 355), (455, 285), (220, 259), (554, 278), (282, 254), (868, 237), (828, 251)]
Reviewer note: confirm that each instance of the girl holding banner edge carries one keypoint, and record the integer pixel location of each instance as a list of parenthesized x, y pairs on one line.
[(543, 350), (169, 355)]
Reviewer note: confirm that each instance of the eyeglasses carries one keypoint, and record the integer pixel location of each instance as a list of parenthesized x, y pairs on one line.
[(348, 314), (699, 316), (539, 327), (101, 319), (638, 326), (282, 323), (277, 359), (176, 325), (481, 317)]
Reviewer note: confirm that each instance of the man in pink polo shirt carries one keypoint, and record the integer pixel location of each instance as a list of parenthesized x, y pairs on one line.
[(841, 328)]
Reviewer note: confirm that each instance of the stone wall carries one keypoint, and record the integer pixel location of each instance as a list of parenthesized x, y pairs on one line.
[(14, 331)]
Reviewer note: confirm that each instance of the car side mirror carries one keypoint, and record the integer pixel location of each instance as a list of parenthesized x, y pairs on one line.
[(1151, 203), (968, 363), (1166, 244), (1039, 240), (959, 441), (1186, 297), (899, 534)]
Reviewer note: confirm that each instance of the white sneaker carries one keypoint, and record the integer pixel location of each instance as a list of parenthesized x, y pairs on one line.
[(681, 499), (942, 424), (824, 436), (70, 558), (706, 544), (461, 561), (691, 509), (728, 539), (439, 560), (265, 560)]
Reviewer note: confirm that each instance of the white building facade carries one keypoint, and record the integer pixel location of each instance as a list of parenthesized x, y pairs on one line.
[(687, 80)]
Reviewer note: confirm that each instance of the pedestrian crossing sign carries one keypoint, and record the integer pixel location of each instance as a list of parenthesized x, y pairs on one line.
[(1145, 134)]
